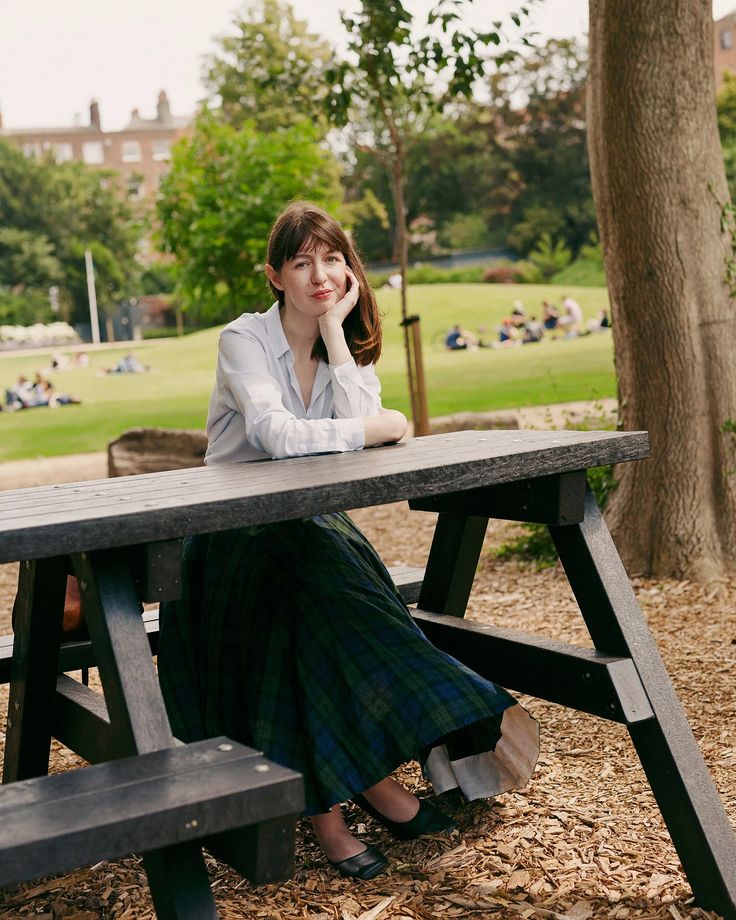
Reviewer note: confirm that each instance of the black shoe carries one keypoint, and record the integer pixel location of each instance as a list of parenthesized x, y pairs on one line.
[(368, 864), (428, 820)]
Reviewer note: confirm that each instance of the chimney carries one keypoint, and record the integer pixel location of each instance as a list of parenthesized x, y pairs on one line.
[(163, 110), (94, 115)]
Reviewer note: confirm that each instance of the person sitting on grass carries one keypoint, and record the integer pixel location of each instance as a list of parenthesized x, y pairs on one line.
[(454, 340), (533, 331), (128, 365), (19, 394)]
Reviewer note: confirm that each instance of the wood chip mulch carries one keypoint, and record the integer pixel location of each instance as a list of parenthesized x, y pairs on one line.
[(584, 839)]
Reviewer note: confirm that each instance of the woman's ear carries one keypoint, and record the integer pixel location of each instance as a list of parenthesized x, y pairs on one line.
[(273, 277)]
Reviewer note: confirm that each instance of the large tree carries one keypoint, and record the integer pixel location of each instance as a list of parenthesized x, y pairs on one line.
[(667, 236), (49, 214), (223, 192), (269, 69)]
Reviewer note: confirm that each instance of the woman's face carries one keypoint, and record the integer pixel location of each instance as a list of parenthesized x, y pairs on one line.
[(313, 281)]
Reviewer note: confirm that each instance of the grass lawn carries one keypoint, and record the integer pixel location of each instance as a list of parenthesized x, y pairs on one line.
[(174, 394)]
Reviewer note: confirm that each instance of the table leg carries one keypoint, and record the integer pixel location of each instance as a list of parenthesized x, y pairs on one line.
[(177, 875), (670, 756), (452, 563), (37, 621)]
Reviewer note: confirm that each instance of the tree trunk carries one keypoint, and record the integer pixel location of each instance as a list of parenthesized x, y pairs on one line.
[(660, 189)]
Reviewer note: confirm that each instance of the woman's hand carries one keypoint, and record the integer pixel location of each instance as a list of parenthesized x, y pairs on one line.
[(339, 311), (387, 428)]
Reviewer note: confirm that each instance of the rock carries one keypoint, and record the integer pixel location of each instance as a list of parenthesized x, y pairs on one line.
[(150, 450), (468, 421)]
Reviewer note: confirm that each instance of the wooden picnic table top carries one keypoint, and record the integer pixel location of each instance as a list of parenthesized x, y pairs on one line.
[(76, 517)]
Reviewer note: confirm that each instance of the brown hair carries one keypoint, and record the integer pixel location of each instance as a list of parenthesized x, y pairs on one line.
[(302, 224)]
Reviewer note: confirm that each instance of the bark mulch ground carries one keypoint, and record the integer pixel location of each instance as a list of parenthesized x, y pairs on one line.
[(583, 840)]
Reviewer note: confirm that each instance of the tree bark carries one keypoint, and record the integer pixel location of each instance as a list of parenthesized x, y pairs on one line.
[(660, 188)]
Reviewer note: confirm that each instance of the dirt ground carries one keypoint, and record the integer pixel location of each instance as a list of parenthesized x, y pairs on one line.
[(584, 839)]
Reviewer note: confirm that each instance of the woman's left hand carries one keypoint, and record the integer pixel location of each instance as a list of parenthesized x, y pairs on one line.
[(339, 311)]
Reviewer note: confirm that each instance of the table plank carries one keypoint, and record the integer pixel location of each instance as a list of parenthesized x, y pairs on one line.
[(76, 517)]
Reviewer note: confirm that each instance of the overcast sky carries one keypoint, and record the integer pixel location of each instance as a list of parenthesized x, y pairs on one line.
[(55, 55)]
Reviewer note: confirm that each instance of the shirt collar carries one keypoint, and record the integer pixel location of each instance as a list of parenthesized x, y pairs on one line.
[(275, 330)]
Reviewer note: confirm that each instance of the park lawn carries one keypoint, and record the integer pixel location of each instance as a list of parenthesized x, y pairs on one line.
[(175, 392)]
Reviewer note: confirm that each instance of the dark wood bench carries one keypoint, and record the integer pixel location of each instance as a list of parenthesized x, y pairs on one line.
[(78, 655), (153, 802), (122, 538)]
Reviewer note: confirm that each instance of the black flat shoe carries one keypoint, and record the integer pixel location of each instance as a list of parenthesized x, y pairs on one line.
[(365, 865), (428, 820)]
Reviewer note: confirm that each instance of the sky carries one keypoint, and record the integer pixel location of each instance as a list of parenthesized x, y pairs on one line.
[(55, 55)]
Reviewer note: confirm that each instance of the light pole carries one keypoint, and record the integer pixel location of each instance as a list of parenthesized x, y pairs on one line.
[(92, 294)]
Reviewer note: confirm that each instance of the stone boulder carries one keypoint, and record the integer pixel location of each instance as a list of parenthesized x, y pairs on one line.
[(151, 450)]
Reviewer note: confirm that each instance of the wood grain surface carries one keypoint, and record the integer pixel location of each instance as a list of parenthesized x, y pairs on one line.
[(77, 517)]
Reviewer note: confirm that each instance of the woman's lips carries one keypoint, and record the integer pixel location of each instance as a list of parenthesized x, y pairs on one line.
[(321, 295)]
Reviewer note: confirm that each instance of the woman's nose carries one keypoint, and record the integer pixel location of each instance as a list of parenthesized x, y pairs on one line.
[(318, 272)]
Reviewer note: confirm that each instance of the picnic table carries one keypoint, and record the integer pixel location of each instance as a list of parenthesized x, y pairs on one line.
[(150, 794)]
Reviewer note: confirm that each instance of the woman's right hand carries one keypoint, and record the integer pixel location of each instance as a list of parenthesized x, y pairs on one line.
[(387, 428)]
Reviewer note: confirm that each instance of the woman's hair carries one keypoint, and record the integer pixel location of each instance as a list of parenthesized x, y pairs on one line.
[(301, 226)]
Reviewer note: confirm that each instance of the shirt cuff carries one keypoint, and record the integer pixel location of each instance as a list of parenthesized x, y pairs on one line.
[(348, 371), (353, 432)]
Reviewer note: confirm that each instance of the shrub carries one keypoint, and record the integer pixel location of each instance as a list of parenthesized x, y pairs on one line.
[(431, 274), (502, 273), (550, 256), (581, 273)]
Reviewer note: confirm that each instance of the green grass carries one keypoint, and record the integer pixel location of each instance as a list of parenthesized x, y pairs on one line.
[(175, 393)]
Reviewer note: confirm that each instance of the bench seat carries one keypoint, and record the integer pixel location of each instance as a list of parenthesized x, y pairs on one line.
[(77, 655), (52, 824)]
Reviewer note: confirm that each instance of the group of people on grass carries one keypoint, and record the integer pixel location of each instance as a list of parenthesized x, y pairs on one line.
[(521, 328), (31, 394)]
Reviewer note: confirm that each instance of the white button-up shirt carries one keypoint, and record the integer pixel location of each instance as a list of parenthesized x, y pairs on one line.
[(256, 410)]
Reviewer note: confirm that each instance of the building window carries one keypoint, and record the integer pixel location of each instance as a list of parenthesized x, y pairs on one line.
[(726, 39), (135, 187), (161, 150), (32, 150), (63, 152), (131, 151), (93, 152)]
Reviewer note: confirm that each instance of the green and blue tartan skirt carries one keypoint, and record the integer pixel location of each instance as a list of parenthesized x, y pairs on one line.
[(292, 638)]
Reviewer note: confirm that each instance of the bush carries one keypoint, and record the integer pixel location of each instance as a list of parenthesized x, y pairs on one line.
[(502, 273), (38, 335), (431, 274), (581, 273), (549, 256), (535, 543), (25, 308)]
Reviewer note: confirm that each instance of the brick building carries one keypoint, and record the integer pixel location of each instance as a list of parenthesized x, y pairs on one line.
[(724, 45), (140, 152)]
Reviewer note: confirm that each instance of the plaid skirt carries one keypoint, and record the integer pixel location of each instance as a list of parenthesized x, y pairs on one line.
[(292, 638)]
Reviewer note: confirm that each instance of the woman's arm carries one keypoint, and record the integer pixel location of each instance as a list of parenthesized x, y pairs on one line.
[(387, 428), (271, 427)]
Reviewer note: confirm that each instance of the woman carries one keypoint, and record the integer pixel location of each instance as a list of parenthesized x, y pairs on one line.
[(291, 637)]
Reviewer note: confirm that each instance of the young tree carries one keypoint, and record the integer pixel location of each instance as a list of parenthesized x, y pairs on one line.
[(667, 237), (217, 204), (387, 91)]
